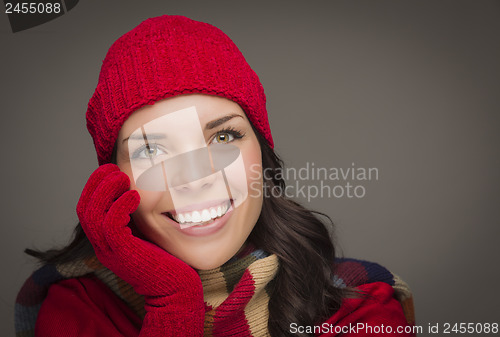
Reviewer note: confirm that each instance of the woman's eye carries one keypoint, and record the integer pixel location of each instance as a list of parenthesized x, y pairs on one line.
[(151, 151), (148, 152), (223, 137)]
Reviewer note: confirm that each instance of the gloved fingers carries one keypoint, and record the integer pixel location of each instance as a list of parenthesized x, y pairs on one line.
[(147, 267), (119, 235), (117, 219), (93, 221), (142, 259), (92, 183), (137, 260)]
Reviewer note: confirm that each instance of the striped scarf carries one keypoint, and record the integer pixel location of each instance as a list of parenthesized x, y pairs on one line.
[(236, 293)]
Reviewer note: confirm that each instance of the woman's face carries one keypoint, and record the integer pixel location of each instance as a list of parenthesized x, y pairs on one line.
[(203, 219)]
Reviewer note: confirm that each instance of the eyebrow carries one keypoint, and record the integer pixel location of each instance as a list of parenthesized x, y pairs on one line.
[(215, 123), (136, 136), (210, 125)]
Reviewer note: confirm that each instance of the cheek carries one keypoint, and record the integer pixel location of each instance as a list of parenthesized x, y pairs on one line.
[(242, 174), (254, 184), (149, 200), (253, 170), (253, 181)]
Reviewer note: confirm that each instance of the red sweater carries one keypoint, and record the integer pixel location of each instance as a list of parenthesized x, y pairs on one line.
[(87, 307)]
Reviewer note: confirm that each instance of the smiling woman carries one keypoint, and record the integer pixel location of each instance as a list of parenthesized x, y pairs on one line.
[(170, 241), (178, 218)]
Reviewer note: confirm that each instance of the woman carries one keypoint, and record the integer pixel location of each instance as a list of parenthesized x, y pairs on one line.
[(176, 234)]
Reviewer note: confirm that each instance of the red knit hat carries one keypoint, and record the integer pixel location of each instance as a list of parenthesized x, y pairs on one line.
[(167, 56)]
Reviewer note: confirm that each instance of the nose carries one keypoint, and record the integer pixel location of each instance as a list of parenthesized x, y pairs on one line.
[(191, 171)]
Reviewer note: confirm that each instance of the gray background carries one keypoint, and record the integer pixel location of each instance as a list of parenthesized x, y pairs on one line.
[(411, 88)]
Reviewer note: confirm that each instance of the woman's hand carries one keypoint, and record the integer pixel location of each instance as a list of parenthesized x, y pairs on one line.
[(172, 289)]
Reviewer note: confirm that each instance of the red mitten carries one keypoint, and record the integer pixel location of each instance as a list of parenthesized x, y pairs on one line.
[(172, 289)]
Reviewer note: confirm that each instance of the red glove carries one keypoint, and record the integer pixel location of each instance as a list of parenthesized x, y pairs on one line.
[(172, 290)]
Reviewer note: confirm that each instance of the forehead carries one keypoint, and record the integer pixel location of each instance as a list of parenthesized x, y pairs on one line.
[(207, 107)]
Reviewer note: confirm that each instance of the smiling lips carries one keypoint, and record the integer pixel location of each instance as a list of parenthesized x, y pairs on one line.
[(200, 216)]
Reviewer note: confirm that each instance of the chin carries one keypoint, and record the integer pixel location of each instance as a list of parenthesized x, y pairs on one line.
[(206, 258), (207, 264)]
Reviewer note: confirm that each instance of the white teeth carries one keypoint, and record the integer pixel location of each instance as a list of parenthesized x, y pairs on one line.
[(203, 215), (196, 216)]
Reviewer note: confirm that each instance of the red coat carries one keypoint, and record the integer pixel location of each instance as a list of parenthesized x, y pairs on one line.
[(87, 307)]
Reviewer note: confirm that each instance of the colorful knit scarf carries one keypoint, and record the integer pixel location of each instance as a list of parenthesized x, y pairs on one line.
[(236, 294)]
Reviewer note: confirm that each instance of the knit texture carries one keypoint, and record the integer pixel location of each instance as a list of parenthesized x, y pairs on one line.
[(235, 294), (175, 294), (167, 56)]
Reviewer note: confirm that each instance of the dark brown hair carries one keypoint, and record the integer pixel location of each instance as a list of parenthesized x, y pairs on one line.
[(303, 291)]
